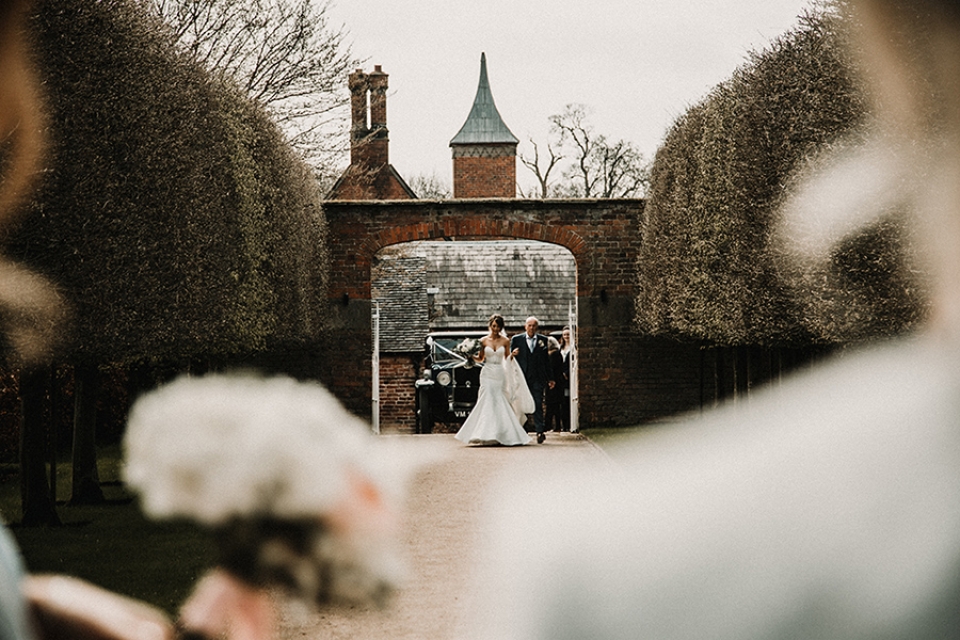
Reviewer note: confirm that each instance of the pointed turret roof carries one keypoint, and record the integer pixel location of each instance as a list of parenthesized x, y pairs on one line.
[(484, 124)]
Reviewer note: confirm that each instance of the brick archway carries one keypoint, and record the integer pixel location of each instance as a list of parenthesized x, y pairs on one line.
[(618, 368), (476, 228)]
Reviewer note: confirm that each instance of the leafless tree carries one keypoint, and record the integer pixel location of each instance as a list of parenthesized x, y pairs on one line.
[(430, 187), (619, 168), (542, 174), (287, 54), (600, 168)]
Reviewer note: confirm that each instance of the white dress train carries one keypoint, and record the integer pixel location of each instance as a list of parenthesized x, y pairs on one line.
[(493, 420)]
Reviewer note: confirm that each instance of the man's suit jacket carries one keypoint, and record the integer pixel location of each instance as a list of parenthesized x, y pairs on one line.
[(536, 365)]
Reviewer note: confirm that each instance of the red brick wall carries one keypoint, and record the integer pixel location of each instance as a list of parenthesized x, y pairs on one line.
[(398, 375), (371, 152), (625, 378), (485, 177)]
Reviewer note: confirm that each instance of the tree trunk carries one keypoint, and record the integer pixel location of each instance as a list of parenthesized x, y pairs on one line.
[(703, 376), (140, 379), (86, 479), (56, 397), (741, 374), (719, 376), (38, 507)]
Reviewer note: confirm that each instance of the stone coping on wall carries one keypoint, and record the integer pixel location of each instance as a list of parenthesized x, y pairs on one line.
[(533, 202)]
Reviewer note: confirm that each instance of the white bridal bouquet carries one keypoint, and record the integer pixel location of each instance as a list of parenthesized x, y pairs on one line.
[(296, 490), (468, 348)]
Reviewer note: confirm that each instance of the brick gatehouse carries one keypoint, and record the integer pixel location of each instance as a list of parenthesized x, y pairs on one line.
[(625, 378)]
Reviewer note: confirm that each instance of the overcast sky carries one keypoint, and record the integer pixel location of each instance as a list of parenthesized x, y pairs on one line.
[(638, 64)]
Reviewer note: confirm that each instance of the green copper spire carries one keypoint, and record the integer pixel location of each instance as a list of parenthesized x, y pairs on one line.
[(484, 124)]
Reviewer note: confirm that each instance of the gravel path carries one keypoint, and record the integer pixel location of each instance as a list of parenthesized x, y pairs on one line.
[(443, 523)]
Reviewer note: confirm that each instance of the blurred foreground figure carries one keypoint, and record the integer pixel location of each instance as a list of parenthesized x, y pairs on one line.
[(295, 489), (45, 607), (289, 482), (827, 508), (31, 311)]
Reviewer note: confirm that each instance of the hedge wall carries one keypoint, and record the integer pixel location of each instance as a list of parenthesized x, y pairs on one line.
[(707, 269), (171, 213)]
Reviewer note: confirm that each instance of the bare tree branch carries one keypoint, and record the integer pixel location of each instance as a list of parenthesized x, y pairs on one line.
[(430, 187), (600, 168), (533, 164), (286, 54)]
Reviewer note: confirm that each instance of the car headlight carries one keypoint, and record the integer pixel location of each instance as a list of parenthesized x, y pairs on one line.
[(444, 378)]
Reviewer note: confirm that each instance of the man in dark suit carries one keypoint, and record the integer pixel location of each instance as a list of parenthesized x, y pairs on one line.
[(530, 350)]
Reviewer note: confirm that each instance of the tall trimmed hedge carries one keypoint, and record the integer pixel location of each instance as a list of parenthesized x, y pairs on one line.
[(707, 270), (171, 213)]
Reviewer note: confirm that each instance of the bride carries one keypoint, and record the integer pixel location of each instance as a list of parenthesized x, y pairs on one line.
[(503, 395)]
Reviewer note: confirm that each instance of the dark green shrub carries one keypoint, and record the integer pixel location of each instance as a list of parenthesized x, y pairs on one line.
[(171, 214), (707, 269)]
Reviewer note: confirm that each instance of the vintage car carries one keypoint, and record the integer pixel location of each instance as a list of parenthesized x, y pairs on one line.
[(448, 386)]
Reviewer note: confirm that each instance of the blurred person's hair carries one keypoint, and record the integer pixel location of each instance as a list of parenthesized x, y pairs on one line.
[(912, 57), (21, 139), (30, 308), (909, 51)]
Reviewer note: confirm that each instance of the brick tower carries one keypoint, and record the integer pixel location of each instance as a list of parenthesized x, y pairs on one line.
[(484, 150), (370, 175)]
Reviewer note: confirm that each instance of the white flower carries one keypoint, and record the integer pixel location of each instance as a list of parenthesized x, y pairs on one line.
[(255, 458), (219, 446), (469, 347)]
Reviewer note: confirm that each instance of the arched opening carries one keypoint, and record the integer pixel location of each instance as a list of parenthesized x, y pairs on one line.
[(623, 374), (428, 288)]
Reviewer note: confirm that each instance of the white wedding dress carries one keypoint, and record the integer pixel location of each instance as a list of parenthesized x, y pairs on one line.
[(493, 419)]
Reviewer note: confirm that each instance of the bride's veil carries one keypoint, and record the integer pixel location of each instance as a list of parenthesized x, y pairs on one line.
[(516, 386)]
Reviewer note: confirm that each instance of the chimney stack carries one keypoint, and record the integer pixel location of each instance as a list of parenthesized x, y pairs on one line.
[(370, 175), (369, 140), (377, 81)]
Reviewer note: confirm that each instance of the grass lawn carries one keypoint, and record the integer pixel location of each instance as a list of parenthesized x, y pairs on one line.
[(112, 544)]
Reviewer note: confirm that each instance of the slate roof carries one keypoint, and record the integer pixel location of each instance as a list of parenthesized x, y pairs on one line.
[(399, 284), (484, 124), (435, 286)]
